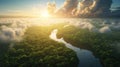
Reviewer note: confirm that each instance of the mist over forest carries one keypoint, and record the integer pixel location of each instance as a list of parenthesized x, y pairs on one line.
[(59, 33)]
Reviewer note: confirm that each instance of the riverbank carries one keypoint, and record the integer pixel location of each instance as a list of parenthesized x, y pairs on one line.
[(86, 57), (102, 45)]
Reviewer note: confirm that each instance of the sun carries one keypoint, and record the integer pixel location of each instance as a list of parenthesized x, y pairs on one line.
[(45, 14)]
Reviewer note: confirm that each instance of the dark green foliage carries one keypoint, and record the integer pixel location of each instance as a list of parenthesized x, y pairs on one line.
[(38, 50), (102, 45)]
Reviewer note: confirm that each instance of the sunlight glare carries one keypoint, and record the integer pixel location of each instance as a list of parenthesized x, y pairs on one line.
[(45, 14)]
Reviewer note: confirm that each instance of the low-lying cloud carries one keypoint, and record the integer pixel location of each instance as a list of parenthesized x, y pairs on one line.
[(105, 29), (12, 30), (96, 25)]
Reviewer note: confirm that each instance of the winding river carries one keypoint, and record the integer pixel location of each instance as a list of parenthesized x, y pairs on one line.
[(86, 57)]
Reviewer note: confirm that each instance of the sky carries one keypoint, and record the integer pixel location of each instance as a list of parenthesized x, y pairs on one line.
[(21, 7), (31, 7)]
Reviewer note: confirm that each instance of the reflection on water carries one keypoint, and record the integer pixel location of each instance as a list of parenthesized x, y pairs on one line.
[(86, 58)]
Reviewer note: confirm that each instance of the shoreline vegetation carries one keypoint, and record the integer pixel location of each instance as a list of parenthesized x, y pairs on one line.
[(102, 45)]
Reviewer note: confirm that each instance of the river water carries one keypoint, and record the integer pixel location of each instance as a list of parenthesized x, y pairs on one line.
[(85, 57)]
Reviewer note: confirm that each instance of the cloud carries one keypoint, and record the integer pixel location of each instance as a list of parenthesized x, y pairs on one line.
[(105, 29), (94, 8), (115, 8), (96, 25), (67, 7), (51, 7), (12, 30), (84, 25), (116, 11), (85, 8)]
